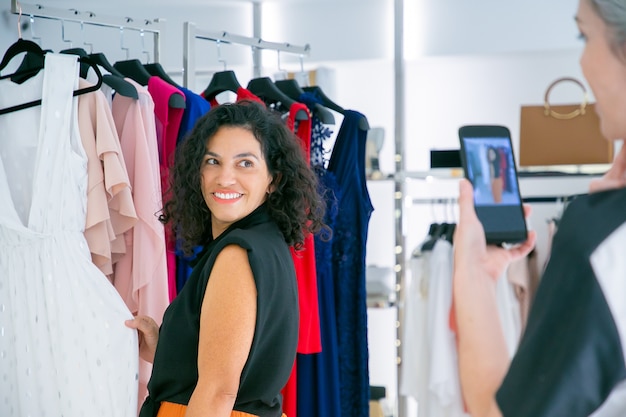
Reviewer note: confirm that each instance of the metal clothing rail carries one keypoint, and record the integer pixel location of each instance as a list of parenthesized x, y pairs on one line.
[(530, 200), (154, 26), (191, 33)]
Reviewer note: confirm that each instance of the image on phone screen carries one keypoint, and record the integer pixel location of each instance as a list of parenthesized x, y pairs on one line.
[(489, 164), (491, 170)]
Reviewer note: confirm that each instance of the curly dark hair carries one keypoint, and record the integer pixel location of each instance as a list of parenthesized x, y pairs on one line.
[(297, 203)]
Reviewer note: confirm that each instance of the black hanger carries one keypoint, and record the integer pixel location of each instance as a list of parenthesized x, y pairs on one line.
[(221, 81), (20, 46), (432, 229), (177, 101), (133, 68), (100, 59), (436, 231), (116, 79), (31, 47), (428, 242), (31, 64), (431, 239), (75, 51), (293, 90), (290, 87), (327, 102), (265, 89), (450, 232), (120, 85), (156, 69)]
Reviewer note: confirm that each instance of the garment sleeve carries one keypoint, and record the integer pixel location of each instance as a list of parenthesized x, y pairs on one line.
[(518, 274), (99, 231), (116, 181)]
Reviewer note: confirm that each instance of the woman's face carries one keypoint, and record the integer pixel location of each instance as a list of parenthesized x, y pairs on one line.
[(604, 71), (235, 177)]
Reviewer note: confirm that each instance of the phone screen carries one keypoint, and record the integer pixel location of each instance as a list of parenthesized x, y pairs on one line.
[(487, 157)]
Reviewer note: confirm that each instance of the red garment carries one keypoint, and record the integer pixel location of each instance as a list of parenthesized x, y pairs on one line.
[(290, 393), (503, 169), (168, 122), (309, 338), (242, 94)]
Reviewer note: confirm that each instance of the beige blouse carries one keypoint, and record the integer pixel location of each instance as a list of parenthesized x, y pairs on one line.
[(110, 208)]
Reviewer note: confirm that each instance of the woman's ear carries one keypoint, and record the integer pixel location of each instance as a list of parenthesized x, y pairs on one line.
[(270, 187), (273, 185)]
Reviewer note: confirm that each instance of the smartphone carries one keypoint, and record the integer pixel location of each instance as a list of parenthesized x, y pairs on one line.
[(488, 162)]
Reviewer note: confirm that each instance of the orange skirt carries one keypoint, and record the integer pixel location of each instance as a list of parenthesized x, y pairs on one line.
[(168, 409)]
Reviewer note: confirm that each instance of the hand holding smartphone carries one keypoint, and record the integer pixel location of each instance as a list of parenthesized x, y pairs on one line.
[(488, 162)]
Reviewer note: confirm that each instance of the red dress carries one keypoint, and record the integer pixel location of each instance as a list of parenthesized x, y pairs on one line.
[(309, 339)]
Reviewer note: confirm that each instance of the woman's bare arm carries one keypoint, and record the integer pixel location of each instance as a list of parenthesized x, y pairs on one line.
[(227, 325)]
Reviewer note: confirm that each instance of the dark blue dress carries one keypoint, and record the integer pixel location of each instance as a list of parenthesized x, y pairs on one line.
[(336, 381), (318, 373), (347, 163)]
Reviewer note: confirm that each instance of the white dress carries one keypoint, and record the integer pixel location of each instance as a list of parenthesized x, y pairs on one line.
[(64, 349)]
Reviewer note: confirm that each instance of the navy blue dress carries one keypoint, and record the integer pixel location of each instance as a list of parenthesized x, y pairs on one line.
[(347, 163), (319, 372), (337, 379)]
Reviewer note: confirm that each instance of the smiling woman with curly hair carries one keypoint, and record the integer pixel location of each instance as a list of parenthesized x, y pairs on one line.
[(242, 189), (295, 204)]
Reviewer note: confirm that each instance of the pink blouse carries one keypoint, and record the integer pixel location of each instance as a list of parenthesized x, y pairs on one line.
[(110, 208), (141, 275)]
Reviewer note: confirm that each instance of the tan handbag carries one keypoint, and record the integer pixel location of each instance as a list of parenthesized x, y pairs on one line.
[(563, 134)]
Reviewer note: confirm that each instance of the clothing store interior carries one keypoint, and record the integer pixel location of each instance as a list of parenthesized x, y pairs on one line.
[(405, 74)]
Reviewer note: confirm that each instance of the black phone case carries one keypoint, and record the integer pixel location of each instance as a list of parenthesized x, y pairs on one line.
[(514, 213)]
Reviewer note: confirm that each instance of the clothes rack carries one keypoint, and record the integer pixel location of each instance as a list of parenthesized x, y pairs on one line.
[(191, 33), (529, 200), (154, 26)]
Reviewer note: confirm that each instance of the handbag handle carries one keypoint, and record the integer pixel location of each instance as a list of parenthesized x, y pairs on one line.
[(581, 111)]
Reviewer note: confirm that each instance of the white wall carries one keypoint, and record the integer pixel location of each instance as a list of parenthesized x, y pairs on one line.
[(337, 30), (444, 93), (456, 27)]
